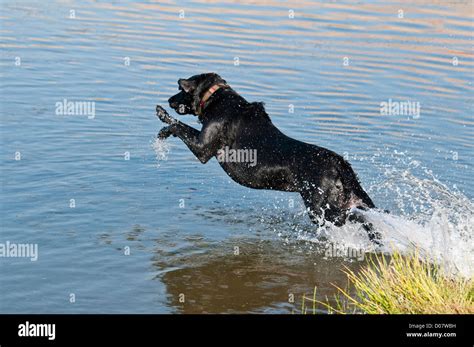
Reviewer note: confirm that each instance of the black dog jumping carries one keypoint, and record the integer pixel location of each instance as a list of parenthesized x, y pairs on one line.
[(328, 185)]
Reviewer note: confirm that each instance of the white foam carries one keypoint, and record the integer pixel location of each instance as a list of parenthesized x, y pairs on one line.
[(431, 217)]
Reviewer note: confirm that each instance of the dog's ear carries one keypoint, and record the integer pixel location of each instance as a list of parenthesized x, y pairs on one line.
[(187, 85), (217, 78)]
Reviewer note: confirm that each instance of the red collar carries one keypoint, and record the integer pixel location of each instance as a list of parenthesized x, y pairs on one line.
[(208, 94)]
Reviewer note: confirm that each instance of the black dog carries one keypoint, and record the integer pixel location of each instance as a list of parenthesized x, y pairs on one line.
[(326, 182)]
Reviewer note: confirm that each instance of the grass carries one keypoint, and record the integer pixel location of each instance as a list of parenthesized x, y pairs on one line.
[(399, 284)]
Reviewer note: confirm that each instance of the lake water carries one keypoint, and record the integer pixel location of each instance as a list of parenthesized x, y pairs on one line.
[(124, 223)]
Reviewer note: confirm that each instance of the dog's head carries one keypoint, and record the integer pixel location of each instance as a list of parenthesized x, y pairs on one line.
[(191, 92)]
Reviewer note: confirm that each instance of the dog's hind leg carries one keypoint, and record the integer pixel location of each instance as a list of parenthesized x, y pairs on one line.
[(319, 210), (373, 235), (313, 202)]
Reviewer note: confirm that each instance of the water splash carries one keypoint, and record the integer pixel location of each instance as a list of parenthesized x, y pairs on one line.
[(162, 149), (428, 215)]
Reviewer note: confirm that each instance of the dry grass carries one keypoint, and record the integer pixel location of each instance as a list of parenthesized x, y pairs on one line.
[(400, 284)]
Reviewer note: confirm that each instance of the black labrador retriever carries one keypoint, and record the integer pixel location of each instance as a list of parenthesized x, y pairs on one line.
[(233, 129)]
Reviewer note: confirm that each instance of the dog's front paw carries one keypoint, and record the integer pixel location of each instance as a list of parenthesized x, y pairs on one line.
[(166, 132), (163, 115)]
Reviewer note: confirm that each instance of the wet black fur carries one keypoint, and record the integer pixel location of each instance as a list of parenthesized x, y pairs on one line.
[(326, 182)]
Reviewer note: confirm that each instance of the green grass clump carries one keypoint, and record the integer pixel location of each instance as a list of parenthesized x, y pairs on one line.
[(401, 284)]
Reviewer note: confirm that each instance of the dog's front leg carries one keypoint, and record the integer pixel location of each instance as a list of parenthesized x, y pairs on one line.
[(166, 132), (204, 144), (174, 125), (164, 116)]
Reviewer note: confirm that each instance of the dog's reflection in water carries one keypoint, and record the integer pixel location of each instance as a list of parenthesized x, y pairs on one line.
[(247, 276)]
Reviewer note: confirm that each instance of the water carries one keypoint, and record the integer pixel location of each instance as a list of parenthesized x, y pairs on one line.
[(186, 227)]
